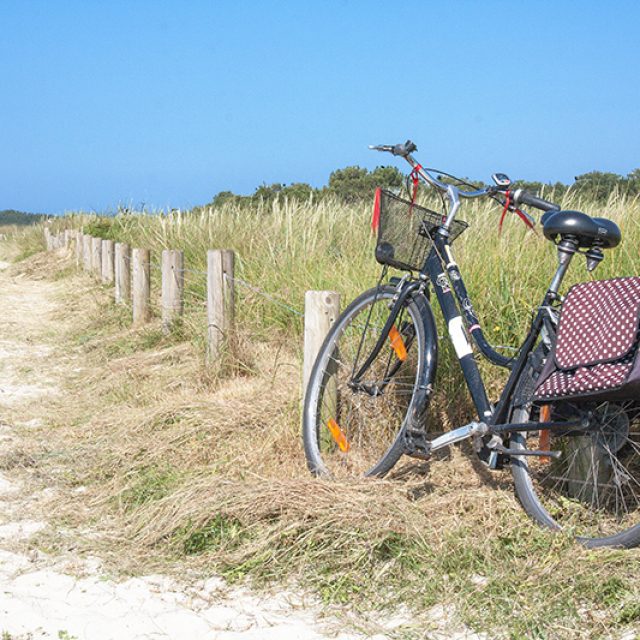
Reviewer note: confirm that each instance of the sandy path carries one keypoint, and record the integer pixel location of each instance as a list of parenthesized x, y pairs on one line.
[(67, 597)]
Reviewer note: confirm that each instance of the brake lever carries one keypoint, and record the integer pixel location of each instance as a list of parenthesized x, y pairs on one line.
[(528, 219), (532, 221)]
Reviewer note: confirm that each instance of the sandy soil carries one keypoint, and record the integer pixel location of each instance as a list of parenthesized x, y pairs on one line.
[(66, 597)]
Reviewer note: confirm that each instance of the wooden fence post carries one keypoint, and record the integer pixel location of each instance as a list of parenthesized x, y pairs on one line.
[(172, 287), (123, 273), (107, 261), (47, 238), (220, 301), (141, 259), (96, 256), (86, 252), (67, 238), (321, 308), (78, 241)]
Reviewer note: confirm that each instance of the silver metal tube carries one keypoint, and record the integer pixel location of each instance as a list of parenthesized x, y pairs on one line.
[(454, 199), (565, 260), (443, 186), (454, 193), (457, 435)]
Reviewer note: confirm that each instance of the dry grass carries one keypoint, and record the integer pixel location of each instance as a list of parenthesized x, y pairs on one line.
[(180, 469)]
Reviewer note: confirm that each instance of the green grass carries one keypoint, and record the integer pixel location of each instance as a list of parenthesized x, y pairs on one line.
[(149, 483), (217, 533)]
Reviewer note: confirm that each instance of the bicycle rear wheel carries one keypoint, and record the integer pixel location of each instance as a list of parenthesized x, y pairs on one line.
[(353, 426), (593, 490)]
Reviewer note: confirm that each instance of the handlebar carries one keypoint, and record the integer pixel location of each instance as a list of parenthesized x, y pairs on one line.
[(520, 196), (396, 149), (405, 150)]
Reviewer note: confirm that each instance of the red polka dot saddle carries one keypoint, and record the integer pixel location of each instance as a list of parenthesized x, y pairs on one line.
[(595, 355)]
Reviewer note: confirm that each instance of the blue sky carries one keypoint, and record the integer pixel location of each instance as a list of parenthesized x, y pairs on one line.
[(167, 103)]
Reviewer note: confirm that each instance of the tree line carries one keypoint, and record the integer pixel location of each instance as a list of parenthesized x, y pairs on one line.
[(355, 184), (20, 218)]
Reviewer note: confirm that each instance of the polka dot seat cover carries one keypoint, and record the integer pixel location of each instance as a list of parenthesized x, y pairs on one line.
[(595, 354)]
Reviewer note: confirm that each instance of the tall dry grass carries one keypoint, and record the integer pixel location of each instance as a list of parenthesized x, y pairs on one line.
[(176, 467), (288, 247)]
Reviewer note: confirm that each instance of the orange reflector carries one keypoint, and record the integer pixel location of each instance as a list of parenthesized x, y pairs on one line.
[(397, 343), (544, 442), (338, 435)]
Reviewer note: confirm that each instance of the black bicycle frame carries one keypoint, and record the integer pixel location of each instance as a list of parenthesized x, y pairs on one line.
[(443, 272)]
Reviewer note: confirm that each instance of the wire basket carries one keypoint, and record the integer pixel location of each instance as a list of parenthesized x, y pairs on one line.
[(406, 230)]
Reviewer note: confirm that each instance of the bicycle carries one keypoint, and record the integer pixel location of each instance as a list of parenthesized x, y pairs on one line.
[(574, 462)]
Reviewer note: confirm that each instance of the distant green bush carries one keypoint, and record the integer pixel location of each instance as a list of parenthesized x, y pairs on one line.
[(355, 184), (20, 218)]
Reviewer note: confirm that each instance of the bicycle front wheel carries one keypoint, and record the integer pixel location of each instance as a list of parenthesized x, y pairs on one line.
[(353, 418), (593, 490)]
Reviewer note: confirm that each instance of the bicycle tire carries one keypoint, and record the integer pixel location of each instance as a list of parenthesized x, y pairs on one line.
[(371, 425), (590, 489)]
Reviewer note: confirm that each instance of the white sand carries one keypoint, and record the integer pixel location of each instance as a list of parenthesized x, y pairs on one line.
[(46, 603)]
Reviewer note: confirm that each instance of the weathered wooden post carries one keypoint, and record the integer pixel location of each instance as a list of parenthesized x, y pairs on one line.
[(67, 238), (172, 287), (220, 301), (141, 259), (86, 252), (78, 241), (321, 308), (96, 256), (107, 262), (123, 273), (47, 238)]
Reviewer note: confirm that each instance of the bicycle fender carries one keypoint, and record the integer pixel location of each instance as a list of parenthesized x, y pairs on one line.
[(425, 383)]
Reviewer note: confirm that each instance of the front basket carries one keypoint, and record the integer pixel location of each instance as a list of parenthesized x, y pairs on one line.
[(406, 230)]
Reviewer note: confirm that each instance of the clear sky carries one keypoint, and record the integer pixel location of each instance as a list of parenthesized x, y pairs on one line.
[(166, 103)]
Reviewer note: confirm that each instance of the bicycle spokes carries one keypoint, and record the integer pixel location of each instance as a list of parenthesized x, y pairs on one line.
[(595, 485), (366, 379)]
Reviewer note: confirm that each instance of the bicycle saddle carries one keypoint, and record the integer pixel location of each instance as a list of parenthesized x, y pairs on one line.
[(590, 232)]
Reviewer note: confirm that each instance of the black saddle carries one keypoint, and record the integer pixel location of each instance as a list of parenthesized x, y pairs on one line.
[(589, 232)]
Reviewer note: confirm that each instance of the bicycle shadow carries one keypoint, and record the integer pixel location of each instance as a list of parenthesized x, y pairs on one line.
[(460, 461)]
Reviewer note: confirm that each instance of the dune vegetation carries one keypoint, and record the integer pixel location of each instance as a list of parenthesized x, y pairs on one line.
[(185, 468)]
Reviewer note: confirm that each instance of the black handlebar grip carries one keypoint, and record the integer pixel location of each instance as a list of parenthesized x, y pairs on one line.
[(520, 196), (404, 149)]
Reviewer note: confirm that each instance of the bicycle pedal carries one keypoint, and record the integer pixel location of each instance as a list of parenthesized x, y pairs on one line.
[(416, 445)]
